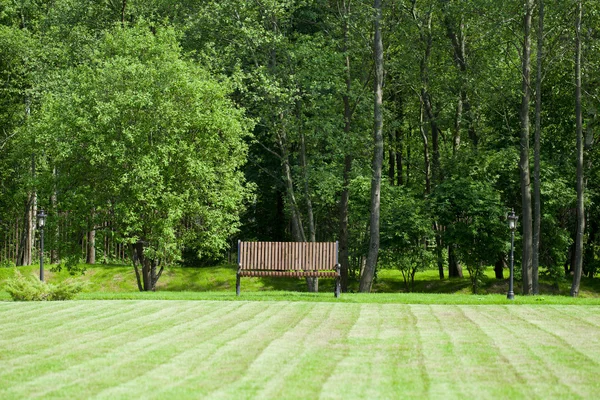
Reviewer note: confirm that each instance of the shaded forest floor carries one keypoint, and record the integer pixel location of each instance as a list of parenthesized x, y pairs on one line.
[(121, 278)]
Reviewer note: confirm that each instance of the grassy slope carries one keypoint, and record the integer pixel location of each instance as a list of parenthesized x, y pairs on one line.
[(283, 349), (118, 281)]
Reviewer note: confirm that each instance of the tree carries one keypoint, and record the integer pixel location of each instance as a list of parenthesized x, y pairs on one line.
[(524, 160), (579, 133), (537, 206), (145, 136), (406, 233), (473, 215), (366, 279)]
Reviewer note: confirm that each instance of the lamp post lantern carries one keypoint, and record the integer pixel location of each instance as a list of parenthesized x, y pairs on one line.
[(41, 219), (512, 225)]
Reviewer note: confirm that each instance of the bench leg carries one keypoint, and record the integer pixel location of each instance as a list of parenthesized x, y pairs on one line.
[(338, 281), (237, 284)]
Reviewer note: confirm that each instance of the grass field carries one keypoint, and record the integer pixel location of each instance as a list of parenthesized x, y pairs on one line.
[(297, 349)]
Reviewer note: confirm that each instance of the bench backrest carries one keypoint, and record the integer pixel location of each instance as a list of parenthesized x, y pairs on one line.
[(287, 256)]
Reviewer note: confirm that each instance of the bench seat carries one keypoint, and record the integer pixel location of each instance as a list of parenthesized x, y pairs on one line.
[(288, 259)]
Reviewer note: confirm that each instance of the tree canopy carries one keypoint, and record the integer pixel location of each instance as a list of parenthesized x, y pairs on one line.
[(174, 128)]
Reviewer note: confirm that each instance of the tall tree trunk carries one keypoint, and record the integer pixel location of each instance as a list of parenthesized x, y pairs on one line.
[(427, 163), (344, 256), (439, 250), (458, 39), (54, 257), (524, 159), (91, 247), (457, 123), (392, 160), (366, 280), (579, 127), (436, 173), (454, 267), (312, 282), (27, 240), (297, 227), (123, 8), (408, 154), (399, 150), (537, 204)]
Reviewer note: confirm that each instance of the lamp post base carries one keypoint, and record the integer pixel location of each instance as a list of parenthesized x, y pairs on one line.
[(510, 296)]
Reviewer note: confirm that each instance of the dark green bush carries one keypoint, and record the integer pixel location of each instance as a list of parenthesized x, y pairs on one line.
[(30, 288)]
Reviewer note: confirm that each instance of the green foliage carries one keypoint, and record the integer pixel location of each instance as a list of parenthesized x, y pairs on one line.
[(7, 264), (474, 221), (157, 144), (30, 288), (406, 234)]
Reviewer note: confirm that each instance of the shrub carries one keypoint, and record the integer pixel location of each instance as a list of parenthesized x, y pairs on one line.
[(30, 288), (7, 264)]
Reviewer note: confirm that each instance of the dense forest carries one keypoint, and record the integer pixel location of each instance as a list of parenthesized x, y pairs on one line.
[(164, 131)]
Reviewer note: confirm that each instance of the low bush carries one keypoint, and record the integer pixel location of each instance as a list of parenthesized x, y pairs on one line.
[(30, 288), (7, 264)]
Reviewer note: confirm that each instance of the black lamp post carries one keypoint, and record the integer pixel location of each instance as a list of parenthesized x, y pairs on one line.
[(512, 225), (41, 219)]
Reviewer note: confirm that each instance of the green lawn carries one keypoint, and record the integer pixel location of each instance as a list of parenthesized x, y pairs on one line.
[(297, 349)]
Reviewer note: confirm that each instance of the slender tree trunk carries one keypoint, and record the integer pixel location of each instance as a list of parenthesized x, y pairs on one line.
[(392, 160), (297, 226), (344, 257), (54, 257), (458, 39), (408, 154), (454, 267), (537, 204), (400, 149), (312, 282), (123, 9), (366, 280), (427, 163), (309, 207), (91, 247), (27, 240), (457, 123), (524, 159), (439, 250), (579, 127)]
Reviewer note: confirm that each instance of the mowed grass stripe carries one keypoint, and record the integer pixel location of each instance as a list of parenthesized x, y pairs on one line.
[(304, 351), (527, 351), (57, 324), (379, 349), (461, 361), (94, 333), (573, 331), (217, 360), (565, 337), (125, 356), (40, 314)]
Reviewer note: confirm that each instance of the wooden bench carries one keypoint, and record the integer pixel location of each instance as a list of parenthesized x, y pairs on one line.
[(291, 259)]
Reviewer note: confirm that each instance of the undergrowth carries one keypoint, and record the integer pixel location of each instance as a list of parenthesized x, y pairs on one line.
[(30, 288)]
